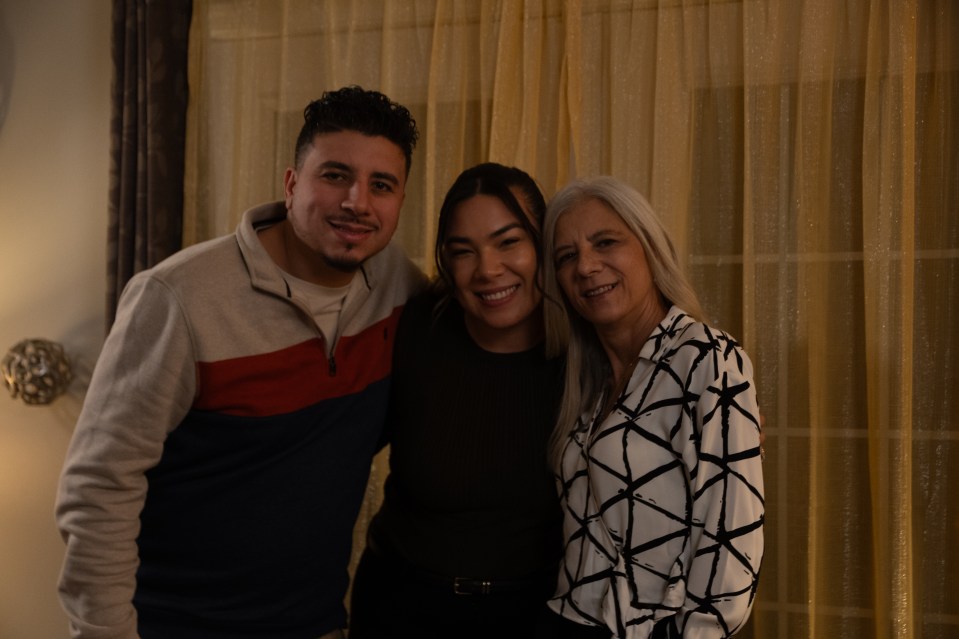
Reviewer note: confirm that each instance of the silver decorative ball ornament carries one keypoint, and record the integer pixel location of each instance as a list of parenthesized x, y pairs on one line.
[(36, 370)]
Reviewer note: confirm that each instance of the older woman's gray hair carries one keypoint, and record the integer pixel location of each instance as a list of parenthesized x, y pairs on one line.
[(587, 367)]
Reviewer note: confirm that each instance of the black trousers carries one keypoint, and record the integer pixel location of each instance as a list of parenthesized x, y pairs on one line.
[(390, 599), (554, 626)]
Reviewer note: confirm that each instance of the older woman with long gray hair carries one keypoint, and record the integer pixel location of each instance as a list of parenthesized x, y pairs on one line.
[(657, 447)]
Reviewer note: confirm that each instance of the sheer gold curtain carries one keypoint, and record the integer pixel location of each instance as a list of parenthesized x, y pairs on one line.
[(805, 156)]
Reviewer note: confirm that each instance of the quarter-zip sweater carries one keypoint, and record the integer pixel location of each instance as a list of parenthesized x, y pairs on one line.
[(220, 459)]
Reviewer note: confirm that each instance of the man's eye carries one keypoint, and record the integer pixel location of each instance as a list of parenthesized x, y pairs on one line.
[(383, 187)]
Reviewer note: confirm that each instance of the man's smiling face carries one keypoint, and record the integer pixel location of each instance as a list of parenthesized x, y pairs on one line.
[(343, 201)]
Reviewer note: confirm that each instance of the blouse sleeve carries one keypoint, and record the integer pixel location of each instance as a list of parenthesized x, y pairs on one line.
[(728, 504)]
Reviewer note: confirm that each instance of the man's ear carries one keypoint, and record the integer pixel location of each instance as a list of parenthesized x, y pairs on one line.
[(289, 184)]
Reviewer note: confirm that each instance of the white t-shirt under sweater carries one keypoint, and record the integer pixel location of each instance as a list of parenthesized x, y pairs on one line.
[(324, 302)]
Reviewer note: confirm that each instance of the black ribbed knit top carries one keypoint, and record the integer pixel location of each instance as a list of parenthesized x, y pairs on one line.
[(469, 491)]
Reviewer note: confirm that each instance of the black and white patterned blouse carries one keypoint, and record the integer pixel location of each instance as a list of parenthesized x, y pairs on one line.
[(663, 501)]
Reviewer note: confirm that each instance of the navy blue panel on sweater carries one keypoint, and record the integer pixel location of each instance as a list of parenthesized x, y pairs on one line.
[(224, 526)]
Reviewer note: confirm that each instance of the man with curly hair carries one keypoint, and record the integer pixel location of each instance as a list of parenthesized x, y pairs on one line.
[(222, 452)]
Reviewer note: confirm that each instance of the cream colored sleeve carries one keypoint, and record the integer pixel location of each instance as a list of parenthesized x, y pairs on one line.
[(142, 387)]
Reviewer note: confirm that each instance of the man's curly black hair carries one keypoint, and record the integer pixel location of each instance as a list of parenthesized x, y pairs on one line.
[(353, 108)]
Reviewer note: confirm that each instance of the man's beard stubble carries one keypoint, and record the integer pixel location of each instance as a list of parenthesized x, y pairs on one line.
[(344, 265)]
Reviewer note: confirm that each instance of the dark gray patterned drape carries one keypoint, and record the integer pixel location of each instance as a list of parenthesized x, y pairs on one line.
[(148, 132)]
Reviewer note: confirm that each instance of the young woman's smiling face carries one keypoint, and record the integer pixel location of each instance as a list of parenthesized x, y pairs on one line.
[(492, 261)]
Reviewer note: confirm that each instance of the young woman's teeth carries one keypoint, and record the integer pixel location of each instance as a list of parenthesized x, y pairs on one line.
[(492, 297)]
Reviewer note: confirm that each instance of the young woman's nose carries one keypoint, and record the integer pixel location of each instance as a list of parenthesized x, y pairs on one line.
[(489, 264)]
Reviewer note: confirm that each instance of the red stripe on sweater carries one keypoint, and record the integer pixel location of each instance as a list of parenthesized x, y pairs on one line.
[(297, 376)]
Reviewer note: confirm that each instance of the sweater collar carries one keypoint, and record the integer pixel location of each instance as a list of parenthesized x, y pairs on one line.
[(264, 273)]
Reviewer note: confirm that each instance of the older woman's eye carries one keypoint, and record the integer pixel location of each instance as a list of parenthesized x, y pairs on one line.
[(563, 258)]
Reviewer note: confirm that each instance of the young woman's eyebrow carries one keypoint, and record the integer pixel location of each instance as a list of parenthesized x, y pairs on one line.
[(457, 239)]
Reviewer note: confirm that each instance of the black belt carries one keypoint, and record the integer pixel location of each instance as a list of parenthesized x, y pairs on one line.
[(469, 586), (475, 586), (544, 579)]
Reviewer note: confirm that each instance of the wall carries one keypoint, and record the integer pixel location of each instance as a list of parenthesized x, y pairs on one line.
[(54, 176)]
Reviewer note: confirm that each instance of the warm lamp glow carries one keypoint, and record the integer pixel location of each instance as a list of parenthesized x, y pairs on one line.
[(36, 370)]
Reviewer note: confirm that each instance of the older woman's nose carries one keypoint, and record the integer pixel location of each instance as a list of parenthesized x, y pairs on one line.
[(587, 263)]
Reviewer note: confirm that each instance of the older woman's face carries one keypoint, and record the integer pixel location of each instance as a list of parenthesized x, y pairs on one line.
[(602, 268)]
